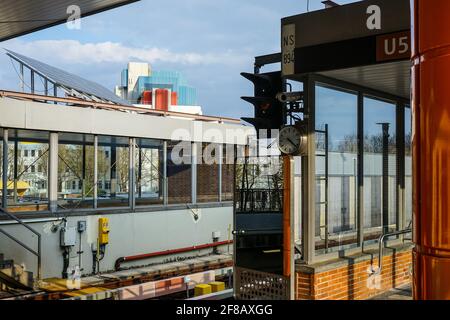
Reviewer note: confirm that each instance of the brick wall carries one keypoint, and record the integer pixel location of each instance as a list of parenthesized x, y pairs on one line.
[(353, 281)]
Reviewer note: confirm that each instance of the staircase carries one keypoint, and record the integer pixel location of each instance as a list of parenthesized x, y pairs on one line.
[(13, 276), (14, 279)]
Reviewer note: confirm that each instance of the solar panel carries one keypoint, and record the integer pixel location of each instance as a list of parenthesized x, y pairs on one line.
[(68, 80)]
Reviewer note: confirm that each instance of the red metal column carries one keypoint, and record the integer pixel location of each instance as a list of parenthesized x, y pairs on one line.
[(431, 148)]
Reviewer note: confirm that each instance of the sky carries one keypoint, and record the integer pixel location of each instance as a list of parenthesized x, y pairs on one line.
[(210, 41)]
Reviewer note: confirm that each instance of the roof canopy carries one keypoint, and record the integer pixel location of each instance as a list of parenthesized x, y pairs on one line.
[(367, 43), (19, 17)]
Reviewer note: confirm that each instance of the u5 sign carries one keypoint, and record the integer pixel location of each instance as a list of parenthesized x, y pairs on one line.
[(394, 46)]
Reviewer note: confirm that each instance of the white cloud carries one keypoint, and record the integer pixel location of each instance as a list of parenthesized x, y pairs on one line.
[(72, 51)]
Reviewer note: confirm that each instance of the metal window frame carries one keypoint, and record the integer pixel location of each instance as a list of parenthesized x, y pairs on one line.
[(310, 81), (53, 172)]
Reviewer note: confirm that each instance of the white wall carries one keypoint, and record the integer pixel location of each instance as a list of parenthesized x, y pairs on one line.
[(131, 234)]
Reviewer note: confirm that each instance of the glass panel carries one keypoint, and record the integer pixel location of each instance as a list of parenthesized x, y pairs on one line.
[(28, 170), (408, 166), (179, 172), (113, 172), (208, 172), (149, 172), (336, 169), (227, 172), (75, 171), (380, 167), (259, 185)]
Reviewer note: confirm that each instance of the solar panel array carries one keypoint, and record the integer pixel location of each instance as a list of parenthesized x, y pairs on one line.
[(68, 80)]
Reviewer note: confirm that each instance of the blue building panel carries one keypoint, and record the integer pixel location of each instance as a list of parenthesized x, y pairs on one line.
[(172, 80), (124, 78)]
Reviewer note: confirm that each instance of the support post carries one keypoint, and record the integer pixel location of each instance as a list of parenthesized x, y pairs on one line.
[(165, 184), (5, 170), (288, 222), (32, 81), (53, 173), (400, 181), (360, 203), (385, 183), (194, 158), (221, 146), (95, 172), (22, 80), (131, 173), (16, 168), (309, 178), (431, 149)]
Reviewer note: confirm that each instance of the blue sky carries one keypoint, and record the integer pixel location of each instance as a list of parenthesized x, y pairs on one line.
[(210, 41)]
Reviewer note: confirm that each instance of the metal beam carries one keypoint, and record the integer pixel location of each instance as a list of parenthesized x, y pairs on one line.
[(360, 206), (131, 173), (95, 172), (194, 159), (53, 172), (165, 184), (5, 170), (309, 177)]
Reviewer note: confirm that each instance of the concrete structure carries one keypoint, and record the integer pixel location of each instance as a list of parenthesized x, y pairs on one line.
[(135, 227)]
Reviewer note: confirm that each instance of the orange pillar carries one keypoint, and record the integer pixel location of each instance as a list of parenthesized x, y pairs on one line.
[(431, 148), (287, 176)]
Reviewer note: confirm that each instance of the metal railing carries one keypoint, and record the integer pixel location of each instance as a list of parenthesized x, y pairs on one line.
[(23, 245), (381, 247)]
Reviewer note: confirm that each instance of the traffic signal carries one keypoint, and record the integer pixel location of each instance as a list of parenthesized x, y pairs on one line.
[(269, 111)]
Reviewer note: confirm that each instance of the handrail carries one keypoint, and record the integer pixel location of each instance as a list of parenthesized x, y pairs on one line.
[(36, 253), (381, 247)]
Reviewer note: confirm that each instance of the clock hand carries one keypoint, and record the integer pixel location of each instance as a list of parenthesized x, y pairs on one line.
[(293, 143)]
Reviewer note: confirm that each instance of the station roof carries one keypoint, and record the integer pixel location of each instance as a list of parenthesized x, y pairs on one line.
[(341, 43), (19, 17)]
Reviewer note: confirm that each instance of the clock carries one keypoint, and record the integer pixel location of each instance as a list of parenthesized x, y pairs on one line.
[(290, 139)]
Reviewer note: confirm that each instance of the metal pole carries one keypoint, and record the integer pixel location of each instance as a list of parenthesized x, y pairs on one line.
[(385, 218), (5, 170), (32, 80), (309, 177), (360, 206), (131, 173), (55, 91), (16, 160), (140, 172), (95, 172), (165, 184), (53, 172), (22, 80), (113, 170), (221, 146), (194, 158), (83, 174), (400, 180)]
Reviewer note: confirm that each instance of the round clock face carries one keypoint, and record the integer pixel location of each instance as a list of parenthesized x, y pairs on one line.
[(289, 140)]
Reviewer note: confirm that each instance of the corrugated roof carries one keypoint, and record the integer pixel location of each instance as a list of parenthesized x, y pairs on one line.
[(68, 80), (19, 17)]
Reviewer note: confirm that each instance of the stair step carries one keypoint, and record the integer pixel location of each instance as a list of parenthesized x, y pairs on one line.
[(16, 277)]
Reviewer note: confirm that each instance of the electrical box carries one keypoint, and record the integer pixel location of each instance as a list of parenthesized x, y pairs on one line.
[(68, 237), (81, 226), (103, 231)]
